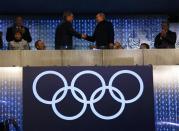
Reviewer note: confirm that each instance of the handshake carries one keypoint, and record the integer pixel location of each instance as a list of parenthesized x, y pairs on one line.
[(83, 36)]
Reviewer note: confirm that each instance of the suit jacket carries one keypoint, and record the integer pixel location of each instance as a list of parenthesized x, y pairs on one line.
[(103, 34), (25, 33), (2, 126), (64, 34), (166, 42)]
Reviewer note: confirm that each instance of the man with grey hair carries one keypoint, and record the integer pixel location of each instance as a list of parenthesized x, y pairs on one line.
[(65, 32), (103, 34)]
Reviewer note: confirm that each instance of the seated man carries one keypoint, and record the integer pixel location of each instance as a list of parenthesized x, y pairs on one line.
[(18, 43), (103, 34), (18, 26), (144, 46), (166, 38), (40, 45)]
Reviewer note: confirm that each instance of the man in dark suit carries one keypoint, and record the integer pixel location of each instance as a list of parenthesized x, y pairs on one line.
[(2, 126), (18, 27), (166, 38), (65, 32), (103, 34)]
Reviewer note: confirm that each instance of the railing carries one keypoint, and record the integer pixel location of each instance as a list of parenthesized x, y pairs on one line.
[(89, 57)]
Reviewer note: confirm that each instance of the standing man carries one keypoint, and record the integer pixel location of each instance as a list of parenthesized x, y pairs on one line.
[(18, 27), (103, 34), (65, 32), (166, 38)]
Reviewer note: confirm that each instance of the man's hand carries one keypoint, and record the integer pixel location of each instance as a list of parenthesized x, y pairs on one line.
[(84, 36)]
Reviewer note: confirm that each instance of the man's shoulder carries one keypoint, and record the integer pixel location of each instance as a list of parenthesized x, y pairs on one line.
[(13, 27), (10, 28), (171, 32), (158, 35), (104, 23), (12, 42), (109, 22), (26, 28), (64, 24), (24, 41)]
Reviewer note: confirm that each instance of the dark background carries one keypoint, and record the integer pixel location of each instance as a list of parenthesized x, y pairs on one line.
[(90, 6), (138, 116)]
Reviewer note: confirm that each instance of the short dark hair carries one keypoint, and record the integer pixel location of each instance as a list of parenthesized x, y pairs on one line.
[(102, 14), (146, 45), (166, 22), (36, 43), (66, 14), (18, 32), (17, 16)]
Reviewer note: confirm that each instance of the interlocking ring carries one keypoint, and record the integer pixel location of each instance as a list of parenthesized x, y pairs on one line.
[(83, 98)]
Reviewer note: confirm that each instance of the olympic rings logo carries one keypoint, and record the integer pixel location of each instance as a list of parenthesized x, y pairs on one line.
[(93, 98)]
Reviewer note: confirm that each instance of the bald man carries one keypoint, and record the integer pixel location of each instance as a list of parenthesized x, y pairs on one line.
[(103, 34), (166, 38)]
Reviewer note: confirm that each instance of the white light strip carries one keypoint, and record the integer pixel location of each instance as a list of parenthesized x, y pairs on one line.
[(168, 123), (3, 102)]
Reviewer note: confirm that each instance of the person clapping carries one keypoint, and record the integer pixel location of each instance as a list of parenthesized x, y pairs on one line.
[(166, 38), (18, 27)]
